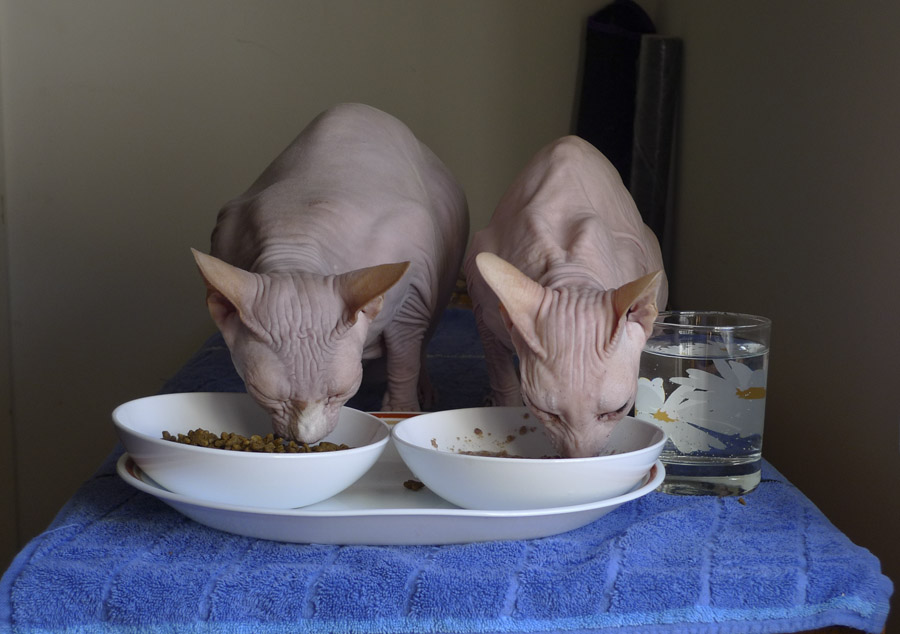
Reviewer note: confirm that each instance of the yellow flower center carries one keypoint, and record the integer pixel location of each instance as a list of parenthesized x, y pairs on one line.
[(751, 393), (663, 416)]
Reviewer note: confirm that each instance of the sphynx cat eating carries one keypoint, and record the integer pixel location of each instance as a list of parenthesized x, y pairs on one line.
[(569, 278), (345, 249)]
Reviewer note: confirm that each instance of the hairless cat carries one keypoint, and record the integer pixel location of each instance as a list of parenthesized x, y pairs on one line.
[(346, 248), (567, 277)]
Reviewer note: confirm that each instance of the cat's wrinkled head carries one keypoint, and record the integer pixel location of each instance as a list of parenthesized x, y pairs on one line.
[(579, 350), (296, 339)]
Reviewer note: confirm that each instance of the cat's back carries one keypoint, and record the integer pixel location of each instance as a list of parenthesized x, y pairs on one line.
[(352, 174), (564, 182), (568, 205), (347, 139)]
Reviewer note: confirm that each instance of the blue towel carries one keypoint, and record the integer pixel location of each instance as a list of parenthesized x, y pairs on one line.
[(116, 560)]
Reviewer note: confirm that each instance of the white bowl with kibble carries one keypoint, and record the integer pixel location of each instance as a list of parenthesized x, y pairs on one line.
[(254, 479), (499, 458)]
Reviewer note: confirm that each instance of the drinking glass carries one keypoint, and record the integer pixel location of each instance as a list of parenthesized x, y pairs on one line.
[(703, 381)]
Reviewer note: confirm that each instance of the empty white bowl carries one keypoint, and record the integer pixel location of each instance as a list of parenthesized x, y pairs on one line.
[(263, 480), (430, 445)]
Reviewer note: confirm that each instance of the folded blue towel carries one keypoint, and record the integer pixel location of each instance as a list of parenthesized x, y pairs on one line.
[(117, 560)]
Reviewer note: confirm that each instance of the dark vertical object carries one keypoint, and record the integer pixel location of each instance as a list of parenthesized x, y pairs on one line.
[(609, 84), (656, 105)]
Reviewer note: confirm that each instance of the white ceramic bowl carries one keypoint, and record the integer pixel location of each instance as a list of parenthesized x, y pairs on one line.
[(262, 480), (430, 445)]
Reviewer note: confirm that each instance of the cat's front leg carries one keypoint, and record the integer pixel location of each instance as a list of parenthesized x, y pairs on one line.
[(502, 375), (404, 362)]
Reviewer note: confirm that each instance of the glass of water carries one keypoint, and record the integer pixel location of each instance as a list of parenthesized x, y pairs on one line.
[(703, 381)]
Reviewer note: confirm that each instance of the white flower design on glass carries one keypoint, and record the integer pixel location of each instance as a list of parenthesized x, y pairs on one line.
[(705, 407)]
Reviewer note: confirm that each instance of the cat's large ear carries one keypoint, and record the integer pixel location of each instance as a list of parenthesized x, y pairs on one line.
[(363, 290), (229, 292), (636, 302), (520, 297)]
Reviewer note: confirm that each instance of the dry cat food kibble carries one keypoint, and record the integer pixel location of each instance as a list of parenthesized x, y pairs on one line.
[(502, 454), (499, 453), (270, 443)]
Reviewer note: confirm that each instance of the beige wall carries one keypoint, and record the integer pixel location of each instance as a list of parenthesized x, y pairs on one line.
[(8, 516), (126, 125)]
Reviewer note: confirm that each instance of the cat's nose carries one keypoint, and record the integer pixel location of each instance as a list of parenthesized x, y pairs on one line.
[(309, 422)]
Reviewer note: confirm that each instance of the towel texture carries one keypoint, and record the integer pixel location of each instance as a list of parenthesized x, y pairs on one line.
[(118, 560)]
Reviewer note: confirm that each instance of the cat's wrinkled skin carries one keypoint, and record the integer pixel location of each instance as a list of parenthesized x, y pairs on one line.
[(346, 248), (569, 278)]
